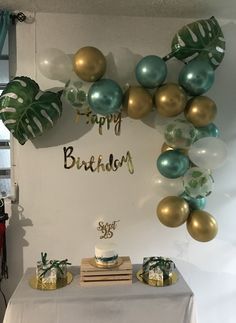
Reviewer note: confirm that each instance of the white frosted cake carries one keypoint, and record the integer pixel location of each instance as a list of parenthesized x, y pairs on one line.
[(106, 254)]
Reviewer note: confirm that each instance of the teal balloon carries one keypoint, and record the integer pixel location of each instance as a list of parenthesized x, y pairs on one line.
[(197, 77), (172, 164), (210, 130), (151, 71), (194, 203), (105, 97)]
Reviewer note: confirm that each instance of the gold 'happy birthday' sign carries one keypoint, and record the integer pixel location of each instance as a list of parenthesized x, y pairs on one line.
[(97, 164)]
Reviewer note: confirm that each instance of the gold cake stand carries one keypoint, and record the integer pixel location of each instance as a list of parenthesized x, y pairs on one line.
[(157, 283), (37, 284), (106, 266)]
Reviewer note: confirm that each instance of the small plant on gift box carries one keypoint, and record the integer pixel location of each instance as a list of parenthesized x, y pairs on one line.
[(57, 267)]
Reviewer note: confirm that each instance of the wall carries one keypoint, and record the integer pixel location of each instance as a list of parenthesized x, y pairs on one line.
[(58, 209)]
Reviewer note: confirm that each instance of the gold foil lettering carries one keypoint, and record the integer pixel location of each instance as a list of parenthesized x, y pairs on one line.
[(106, 229), (101, 121), (98, 164)]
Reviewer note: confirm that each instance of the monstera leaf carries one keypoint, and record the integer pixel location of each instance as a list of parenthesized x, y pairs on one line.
[(26, 111), (203, 38)]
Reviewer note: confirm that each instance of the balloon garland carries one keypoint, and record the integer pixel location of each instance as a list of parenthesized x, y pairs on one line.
[(191, 148)]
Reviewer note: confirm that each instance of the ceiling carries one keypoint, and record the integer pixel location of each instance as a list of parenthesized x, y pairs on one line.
[(148, 8)]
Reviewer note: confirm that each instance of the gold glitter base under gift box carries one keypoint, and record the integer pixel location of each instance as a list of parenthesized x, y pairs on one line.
[(172, 279), (92, 275), (62, 282)]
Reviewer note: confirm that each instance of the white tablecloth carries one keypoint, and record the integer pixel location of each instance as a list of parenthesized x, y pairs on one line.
[(111, 304)]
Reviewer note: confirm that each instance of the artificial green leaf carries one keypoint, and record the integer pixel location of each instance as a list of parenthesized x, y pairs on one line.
[(26, 111), (203, 181), (193, 183), (81, 96), (203, 39), (170, 127), (178, 133), (196, 174)]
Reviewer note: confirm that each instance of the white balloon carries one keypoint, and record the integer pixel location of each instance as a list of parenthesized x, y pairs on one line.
[(208, 152), (168, 186), (54, 64)]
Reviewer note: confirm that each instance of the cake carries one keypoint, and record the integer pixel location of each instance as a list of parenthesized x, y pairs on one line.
[(106, 254)]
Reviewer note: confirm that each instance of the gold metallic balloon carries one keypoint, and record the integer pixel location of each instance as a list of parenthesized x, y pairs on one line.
[(89, 64), (200, 111), (202, 226), (170, 100), (173, 211), (166, 147), (137, 102)]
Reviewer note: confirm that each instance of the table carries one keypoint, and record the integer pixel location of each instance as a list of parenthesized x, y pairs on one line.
[(134, 303)]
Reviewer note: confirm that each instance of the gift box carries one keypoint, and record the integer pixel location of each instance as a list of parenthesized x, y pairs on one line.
[(157, 270), (50, 271)]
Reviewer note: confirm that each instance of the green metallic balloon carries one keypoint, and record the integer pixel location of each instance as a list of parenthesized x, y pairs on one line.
[(210, 130), (197, 77), (105, 97), (172, 164), (151, 71), (194, 203)]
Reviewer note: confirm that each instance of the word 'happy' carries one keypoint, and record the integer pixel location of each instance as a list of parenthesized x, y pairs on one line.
[(95, 165), (101, 121)]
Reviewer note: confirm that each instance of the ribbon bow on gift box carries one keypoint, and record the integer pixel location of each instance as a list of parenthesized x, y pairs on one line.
[(57, 264)]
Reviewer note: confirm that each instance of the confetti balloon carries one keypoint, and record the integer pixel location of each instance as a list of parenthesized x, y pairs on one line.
[(76, 94), (198, 182), (179, 134)]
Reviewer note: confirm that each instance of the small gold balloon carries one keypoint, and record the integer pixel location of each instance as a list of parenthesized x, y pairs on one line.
[(166, 147), (200, 111), (170, 100), (137, 102), (173, 211), (89, 64), (202, 226)]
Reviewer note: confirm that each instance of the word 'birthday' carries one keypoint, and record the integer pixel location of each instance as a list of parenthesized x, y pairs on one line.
[(97, 164), (104, 121)]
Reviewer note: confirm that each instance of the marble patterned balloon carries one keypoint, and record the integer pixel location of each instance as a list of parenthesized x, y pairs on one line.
[(179, 134), (198, 182), (76, 94)]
